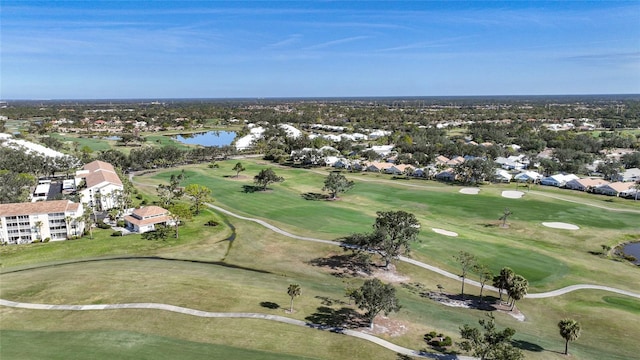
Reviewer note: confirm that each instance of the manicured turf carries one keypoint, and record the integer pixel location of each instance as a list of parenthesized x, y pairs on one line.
[(540, 254), (118, 345), (95, 144), (257, 270)]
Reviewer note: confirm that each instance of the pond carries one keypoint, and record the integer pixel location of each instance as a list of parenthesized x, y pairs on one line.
[(633, 249), (209, 138), (114, 138)]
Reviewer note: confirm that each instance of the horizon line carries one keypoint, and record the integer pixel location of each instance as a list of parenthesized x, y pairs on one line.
[(316, 97)]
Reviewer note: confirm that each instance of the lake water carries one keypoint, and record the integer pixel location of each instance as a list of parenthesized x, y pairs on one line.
[(209, 138), (634, 250)]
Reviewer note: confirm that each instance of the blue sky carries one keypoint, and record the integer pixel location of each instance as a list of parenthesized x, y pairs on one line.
[(214, 49)]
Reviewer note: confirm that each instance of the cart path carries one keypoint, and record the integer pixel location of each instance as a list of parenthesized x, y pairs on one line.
[(235, 315), (440, 271)]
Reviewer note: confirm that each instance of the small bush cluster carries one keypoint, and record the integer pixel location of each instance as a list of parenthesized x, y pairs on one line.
[(211, 223), (101, 224), (116, 233), (438, 340)]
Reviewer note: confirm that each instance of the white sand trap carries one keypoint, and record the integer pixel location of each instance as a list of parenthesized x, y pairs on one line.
[(444, 232), (512, 194), (470, 191), (560, 225)]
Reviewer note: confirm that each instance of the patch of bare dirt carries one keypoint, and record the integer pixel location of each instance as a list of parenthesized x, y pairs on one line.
[(382, 325), (240, 177), (474, 303), (390, 275)]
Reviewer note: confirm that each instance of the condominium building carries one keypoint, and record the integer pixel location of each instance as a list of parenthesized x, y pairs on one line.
[(102, 188), (22, 223)]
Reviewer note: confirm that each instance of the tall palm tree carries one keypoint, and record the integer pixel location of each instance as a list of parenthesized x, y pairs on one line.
[(293, 291), (570, 331), (518, 289), (38, 224)]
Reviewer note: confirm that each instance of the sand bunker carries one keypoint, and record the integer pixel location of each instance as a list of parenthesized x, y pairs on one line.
[(444, 232), (512, 194), (560, 225), (470, 191)]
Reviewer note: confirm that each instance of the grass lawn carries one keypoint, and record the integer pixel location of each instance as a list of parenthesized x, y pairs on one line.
[(119, 344), (199, 270), (95, 144), (161, 140)]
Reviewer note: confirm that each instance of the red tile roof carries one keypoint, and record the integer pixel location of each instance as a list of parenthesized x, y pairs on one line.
[(40, 207)]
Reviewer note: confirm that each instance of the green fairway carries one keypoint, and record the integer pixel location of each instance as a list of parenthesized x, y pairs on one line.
[(95, 144), (201, 270), (118, 345)]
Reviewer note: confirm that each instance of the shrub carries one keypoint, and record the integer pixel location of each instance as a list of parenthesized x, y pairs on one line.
[(116, 233), (120, 223), (102, 225), (139, 197), (47, 239), (438, 340), (211, 223)]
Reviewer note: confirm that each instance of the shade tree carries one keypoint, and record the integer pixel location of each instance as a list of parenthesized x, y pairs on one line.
[(392, 236), (266, 177), (198, 194), (467, 262), (336, 183), (484, 273), (375, 297), (238, 168), (489, 343)]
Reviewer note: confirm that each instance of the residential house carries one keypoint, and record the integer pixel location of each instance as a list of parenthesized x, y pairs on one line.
[(528, 176), (331, 161), (512, 162), (23, 223), (102, 185), (615, 188), (146, 218), (441, 160), (585, 184), (632, 174), (558, 180), (377, 166), (632, 193), (428, 171), (455, 161), (502, 175), (382, 150), (399, 169), (446, 175)]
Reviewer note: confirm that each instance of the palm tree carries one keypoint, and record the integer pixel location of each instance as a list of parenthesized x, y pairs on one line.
[(293, 291), (38, 224), (503, 280), (518, 289), (504, 217), (570, 331), (67, 220)]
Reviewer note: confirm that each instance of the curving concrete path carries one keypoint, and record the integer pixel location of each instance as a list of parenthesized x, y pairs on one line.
[(547, 294), (207, 314)]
